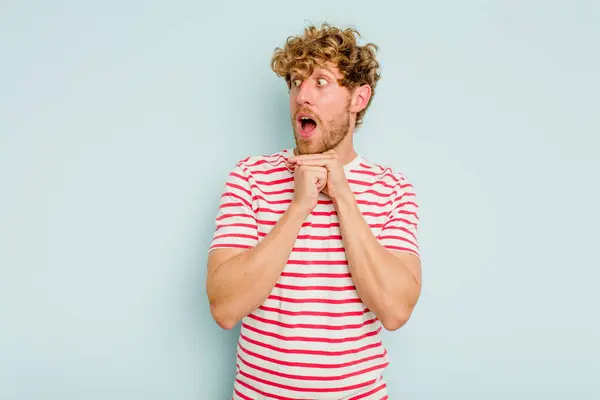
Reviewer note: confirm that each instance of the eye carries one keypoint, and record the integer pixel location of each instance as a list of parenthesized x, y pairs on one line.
[(322, 81), (296, 82)]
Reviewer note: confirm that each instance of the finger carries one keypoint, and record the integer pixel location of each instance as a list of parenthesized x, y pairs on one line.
[(321, 157), (316, 162), (315, 157), (295, 159), (319, 181), (314, 168), (321, 184)]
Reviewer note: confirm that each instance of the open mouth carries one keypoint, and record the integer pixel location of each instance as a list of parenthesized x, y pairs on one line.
[(307, 125)]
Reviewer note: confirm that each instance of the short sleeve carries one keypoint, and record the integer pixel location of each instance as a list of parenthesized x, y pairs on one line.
[(399, 231), (235, 222)]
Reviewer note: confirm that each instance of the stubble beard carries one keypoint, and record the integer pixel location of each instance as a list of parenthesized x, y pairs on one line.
[(334, 132)]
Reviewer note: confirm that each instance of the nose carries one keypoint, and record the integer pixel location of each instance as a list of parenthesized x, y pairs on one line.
[(304, 94)]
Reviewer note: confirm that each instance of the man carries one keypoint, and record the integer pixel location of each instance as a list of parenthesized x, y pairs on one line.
[(315, 248)]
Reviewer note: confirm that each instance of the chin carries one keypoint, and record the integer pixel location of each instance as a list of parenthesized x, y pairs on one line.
[(303, 147), (306, 145)]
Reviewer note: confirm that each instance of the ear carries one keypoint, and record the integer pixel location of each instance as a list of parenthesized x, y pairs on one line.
[(360, 98)]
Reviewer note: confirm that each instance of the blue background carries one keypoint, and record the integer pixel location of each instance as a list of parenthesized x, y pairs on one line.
[(119, 122)]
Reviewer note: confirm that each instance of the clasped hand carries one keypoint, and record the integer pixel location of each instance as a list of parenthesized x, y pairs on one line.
[(336, 183)]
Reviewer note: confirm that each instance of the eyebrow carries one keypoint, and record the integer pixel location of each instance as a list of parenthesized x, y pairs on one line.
[(323, 71), (327, 72)]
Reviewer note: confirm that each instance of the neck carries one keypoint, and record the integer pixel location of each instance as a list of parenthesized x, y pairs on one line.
[(345, 149), (346, 154)]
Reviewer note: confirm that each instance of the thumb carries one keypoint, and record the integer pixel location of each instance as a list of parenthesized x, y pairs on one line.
[(321, 183)]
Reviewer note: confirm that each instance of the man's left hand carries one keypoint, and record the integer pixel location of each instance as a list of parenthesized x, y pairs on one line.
[(337, 185)]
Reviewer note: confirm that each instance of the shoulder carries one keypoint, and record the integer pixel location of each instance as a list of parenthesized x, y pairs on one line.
[(262, 169), (386, 174), (260, 164)]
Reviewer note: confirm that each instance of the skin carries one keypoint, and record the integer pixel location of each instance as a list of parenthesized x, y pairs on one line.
[(388, 282), (239, 281), (333, 107)]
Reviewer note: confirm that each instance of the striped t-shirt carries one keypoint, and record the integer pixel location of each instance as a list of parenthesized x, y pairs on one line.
[(312, 338)]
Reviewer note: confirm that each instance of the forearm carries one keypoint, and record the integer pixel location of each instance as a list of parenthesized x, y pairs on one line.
[(241, 284), (383, 282)]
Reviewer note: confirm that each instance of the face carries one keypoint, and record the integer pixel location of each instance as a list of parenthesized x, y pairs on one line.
[(321, 110)]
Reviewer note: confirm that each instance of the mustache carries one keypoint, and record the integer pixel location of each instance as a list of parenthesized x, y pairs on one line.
[(308, 111)]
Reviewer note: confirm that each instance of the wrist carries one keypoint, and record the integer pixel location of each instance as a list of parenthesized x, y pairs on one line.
[(297, 211), (344, 200)]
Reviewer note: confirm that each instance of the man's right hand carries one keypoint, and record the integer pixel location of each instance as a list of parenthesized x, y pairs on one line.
[(240, 280), (308, 183)]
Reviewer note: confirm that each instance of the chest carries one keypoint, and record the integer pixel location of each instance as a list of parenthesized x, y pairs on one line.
[(321, 229)]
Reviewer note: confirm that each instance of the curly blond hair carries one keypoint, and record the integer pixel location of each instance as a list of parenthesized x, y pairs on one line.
[(317, 46)]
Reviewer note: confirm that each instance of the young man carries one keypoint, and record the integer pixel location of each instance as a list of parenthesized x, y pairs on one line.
[(315, 249)]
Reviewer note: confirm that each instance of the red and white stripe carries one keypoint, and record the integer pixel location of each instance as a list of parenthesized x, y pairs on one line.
[(313, 338)]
